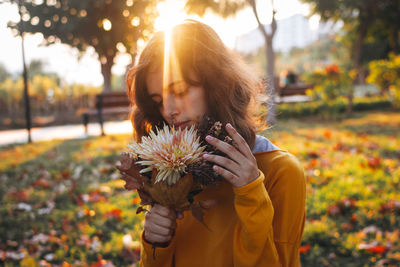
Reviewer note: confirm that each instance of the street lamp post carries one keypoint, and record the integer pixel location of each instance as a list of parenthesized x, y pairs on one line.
[(25, 75)]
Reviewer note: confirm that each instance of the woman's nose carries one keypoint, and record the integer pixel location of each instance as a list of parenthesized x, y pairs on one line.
[(170, 107)]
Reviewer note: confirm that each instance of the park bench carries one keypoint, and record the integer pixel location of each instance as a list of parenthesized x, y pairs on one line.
[(293, 89), (108, 103), (293, 93)]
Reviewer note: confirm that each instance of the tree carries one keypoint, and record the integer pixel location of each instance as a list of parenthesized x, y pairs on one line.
[(227, 8), (359, 18), (108, 26)]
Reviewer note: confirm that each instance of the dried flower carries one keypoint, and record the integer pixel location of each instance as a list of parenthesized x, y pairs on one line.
[(170, 151)]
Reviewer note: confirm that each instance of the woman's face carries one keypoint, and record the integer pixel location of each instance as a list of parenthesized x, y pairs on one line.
[(180, 104)]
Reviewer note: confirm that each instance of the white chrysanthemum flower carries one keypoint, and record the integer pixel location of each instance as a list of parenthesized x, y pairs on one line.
[(132, 154), (170, 151)]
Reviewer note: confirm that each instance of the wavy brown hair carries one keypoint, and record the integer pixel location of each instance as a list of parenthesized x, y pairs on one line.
[(230, 86)]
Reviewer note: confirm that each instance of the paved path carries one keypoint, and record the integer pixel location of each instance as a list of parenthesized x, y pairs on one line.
[(63, 132)]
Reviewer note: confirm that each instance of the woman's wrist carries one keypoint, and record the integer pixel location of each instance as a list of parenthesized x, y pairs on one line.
[(251, 187)]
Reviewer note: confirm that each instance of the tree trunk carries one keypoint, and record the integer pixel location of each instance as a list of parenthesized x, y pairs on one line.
[(356, 62), (106, 64), (364, 18), (269, 49), (271, 115), (394, 36)]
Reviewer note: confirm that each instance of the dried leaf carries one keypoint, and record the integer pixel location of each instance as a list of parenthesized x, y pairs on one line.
[(131, 173), (198, 214), (128, 166), (141, 209), (145, 198), (174, 196), (130, 182)]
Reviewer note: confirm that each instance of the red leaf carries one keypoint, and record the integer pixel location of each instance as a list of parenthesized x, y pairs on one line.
[(65, 174), (19, 196), (115, 213), (377, 249), (304, 249), (374, 162), (96, 196)]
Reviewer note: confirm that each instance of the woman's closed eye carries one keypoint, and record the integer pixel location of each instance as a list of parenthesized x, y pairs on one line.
[(180, 93), (179, 90)]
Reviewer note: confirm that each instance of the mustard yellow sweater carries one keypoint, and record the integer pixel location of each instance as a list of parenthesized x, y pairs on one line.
[(260, 224)]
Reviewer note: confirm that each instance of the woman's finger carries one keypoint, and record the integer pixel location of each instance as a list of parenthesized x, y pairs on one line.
[(164, 211), (163, 221), (153, 237), (224, 162), (160, 230), (239, 140), (230, 177), (226, 148)]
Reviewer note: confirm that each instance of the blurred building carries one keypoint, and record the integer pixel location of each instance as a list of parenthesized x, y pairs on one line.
[(294, 31)]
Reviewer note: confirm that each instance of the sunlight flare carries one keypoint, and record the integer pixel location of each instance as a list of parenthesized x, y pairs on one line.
[(167, 53)]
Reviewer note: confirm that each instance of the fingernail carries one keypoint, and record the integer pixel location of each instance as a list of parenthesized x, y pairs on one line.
[(229, 125), (215, 168), (205, 156), (209, 138)]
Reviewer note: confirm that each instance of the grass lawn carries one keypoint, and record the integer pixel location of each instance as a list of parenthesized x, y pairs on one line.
[(61, 202)]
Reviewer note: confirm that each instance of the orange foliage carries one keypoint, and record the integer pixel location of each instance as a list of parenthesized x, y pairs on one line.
[(304, 249), (115, 213)]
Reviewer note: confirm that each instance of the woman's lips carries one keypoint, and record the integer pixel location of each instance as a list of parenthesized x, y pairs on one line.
[(182, 124)]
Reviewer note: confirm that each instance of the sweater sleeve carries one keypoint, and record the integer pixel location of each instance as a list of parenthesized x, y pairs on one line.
[(287, 191), (161, 257), (253, 237), (271, 222)]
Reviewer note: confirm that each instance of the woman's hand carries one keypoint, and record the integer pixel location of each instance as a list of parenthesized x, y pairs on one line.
[(160, 224), (240, 167)]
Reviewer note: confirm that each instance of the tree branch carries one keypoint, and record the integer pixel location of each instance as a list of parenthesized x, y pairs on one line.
[(252, 3)]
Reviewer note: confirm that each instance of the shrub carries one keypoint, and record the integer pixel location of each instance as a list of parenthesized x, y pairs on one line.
[(329, 83), (332, 109), (386, 75)]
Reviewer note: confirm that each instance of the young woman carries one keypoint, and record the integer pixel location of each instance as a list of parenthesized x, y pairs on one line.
[(259, 215)]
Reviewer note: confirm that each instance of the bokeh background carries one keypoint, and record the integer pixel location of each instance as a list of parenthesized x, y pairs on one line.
[(332, 72)]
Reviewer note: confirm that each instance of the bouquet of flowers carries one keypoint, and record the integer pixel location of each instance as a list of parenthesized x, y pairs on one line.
[(166, 167)]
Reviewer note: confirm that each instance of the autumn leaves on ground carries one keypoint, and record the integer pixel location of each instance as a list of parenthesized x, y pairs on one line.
[(61, 202)]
